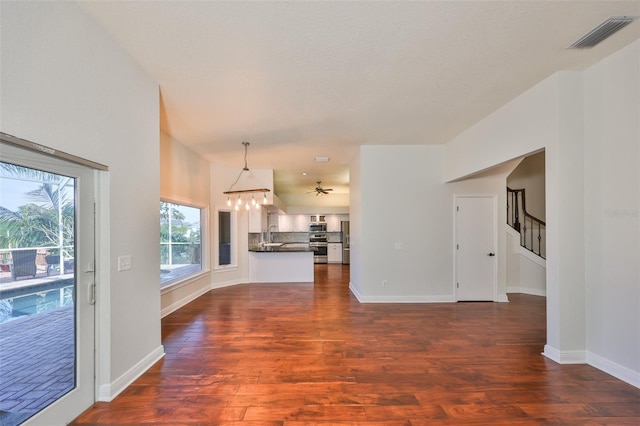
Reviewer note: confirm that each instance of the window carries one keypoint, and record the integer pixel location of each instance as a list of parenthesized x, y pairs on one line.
[(180, 242), (224, 238)]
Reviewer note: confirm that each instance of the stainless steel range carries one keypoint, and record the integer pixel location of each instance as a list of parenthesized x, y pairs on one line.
[(318, 241)]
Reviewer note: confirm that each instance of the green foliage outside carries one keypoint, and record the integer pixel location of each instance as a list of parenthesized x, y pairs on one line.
[(178, 236), (47, 220)]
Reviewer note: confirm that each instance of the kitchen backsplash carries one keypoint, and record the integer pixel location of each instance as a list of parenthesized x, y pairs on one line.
[(290, 237)]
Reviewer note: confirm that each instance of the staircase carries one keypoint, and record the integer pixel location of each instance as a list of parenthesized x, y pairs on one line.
[(532, 230)]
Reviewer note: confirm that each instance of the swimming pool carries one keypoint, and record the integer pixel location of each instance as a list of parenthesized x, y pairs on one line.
[(30, 300)]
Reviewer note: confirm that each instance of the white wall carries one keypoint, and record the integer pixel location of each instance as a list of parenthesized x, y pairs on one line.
[(612, 212), (67, 85), (355, 224), (525, 125), (185, 179), (588, 123), (404, 199), (319, 209), (526, 272)]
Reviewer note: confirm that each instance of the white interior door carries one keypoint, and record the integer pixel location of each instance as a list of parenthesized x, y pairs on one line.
[(62, 351), (476, 264)]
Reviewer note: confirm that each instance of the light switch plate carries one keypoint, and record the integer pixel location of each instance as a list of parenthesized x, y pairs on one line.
[(124, 263)]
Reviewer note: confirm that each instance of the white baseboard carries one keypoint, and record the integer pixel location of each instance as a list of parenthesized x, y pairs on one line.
[(596, 361), (528, 290), (193, 296), (616, 370), (400, 299), (565, 357), (502, 298), (228, 283), (108, 392), (180, 303), (355, 292)]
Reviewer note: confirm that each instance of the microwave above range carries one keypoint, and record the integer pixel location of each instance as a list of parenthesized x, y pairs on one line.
[(318, 227)]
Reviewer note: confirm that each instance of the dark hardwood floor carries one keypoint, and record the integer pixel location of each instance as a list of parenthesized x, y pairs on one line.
[(310, 354)]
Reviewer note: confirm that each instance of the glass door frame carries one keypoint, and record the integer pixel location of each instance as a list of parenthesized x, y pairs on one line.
[(70, 405)]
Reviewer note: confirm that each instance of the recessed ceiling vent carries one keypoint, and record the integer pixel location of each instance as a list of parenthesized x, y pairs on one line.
[(602, 31)]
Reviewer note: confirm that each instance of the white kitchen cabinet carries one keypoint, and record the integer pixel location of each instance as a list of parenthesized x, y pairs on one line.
[(293, 223), (257, 219), (333, 223), (285, 223), (301, 223), (334, 253)]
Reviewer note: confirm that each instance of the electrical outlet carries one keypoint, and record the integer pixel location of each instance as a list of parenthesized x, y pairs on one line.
[(384, 283), (124, 263), (399, 246)]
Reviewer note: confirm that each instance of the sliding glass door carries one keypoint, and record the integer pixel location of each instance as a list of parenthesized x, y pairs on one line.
[(46, 288)]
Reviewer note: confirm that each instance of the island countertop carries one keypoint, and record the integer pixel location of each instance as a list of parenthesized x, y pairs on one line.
[(282, 248)]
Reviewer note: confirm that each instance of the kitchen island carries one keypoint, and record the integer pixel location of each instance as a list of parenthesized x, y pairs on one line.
[(281, 263)]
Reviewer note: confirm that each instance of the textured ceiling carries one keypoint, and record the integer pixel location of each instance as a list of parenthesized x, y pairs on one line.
[(302, 79)]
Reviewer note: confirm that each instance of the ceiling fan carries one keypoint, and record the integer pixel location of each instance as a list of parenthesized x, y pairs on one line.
[(319, 190)]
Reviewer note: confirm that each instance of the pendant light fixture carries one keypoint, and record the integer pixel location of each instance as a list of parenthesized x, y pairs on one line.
[(245, 196)]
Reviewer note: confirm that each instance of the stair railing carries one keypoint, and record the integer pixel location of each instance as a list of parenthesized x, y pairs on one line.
[(515, 199), (532, 230)]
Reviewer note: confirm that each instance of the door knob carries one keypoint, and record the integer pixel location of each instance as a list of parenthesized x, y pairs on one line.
[(491, 254)]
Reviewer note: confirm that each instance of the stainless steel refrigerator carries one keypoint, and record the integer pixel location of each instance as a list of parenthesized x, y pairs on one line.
[(346, 248)]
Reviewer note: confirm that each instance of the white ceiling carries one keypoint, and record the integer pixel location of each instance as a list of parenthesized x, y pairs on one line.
[(305, 79)]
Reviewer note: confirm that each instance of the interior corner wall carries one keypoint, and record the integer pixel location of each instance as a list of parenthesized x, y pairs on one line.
[(355, 224), (185, 179), (184, 175), (402, 250), (67, 85), (529, 123), (612, 213), (565, 225)]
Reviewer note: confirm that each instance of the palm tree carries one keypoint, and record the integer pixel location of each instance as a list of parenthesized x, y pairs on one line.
[(46, 220)]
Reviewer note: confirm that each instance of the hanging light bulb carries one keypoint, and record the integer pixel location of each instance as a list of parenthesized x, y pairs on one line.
[(244, 192), (257, 206), (246, 205)]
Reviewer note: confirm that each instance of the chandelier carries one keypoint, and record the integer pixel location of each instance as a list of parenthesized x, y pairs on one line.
[(246, 197)]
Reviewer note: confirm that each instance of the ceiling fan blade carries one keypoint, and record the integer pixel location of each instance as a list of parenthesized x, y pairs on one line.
[(319, 190)]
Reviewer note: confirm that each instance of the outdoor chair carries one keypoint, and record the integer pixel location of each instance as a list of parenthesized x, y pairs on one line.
[(53, 264), (24, 263)]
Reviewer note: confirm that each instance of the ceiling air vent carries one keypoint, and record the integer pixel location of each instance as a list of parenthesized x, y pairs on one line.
[(602, 31)]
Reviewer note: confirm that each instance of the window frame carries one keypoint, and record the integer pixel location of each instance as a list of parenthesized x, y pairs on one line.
[(233, 240), (204, 251)]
